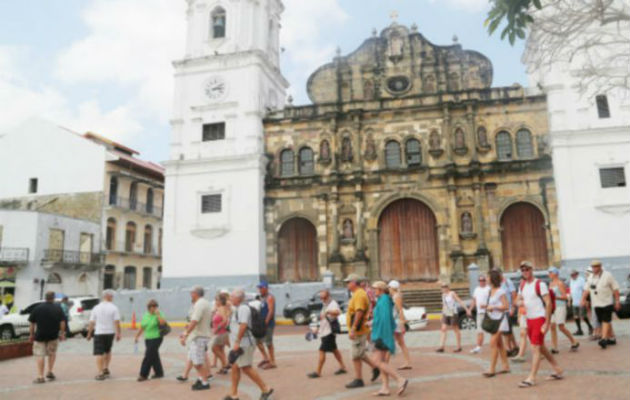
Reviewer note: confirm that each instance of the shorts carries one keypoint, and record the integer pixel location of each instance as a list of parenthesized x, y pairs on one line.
[(480, 321), (450, 321), (103, 344), (47, 348), (268, 339), (247, 358), (197, 350), (604, 314), (222, 339), (329, 343), (559, 316), (359, 346), (536, 337)]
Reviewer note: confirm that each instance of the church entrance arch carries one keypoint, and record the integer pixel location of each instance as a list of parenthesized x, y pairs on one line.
[(297, 251), (407, 241), (523, 236)]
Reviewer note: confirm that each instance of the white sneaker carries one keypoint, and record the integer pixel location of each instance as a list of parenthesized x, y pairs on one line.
[(475, 350)]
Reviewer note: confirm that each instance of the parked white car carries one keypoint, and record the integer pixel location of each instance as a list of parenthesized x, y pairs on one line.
[(15, 325), (416, 319)]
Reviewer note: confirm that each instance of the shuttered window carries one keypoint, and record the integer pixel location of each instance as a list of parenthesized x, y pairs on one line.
[(524, 145), (504, 146), (286, 163), (213, 131), (414, 156), (210, 203), (602, 106), (392, 154), (612, 177), (306, 161)]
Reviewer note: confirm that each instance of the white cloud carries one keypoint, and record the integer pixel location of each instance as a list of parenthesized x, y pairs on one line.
[(467, 5)]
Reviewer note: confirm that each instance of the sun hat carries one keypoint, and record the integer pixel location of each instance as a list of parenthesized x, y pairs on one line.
[(394, 284), (379, 285)]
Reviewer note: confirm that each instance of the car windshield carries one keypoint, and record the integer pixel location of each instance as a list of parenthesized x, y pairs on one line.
[(89, 304)]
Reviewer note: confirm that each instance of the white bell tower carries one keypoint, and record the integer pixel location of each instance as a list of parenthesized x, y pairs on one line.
[(224, 85)]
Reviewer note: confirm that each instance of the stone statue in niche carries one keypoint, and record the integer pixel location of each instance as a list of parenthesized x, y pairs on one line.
[(460, 141), (467, 226), (434, 141), (324, 151), (346, 149), (348, 229), (370, 149), (482, 137)]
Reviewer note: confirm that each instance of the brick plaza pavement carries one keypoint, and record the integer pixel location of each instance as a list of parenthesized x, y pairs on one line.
[(591, 373)]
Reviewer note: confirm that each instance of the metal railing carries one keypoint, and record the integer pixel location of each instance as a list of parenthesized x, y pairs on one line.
[(71, 257), (135, 205), (135, 248), (13, 255)]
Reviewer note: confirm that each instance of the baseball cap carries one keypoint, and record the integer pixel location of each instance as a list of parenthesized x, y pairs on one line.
[(574, 272), (596, 263), (352, 277), (526, 264), (263, 284), (553, 270), (394, 284)]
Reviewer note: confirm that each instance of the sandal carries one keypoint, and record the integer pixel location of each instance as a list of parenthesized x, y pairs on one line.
[(489, 374), (555, 377), (458, 350), (228, 397), (100, 377), (50, 376), (39, 380), (381, 394), (340, 371), (406, 367), (403, 387), (574, 347), (263, 362), (505, 371), (440, 350), (182, 378), (268, 366), (525, 384), (313, 375), (266, 395)]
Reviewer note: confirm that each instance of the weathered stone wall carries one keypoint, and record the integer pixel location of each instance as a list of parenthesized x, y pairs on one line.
[(86, 206)]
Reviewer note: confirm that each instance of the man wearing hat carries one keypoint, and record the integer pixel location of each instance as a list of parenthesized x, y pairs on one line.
[(602, 288), (576, 287), (268, 312), (358, 330)]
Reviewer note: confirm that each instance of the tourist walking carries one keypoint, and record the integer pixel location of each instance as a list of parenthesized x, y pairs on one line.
[(559, 317), (150, 326), (534, 296), (604, 292), (479, 298), (198, 330), (597, 327), (328, 330), (268, 312), (510, 292), (47, 327), (401, 322), (495, 314), (104, 327), (220, 325), (358, 330), (189, 365), (576, 288), (450, 300), (243, 345), (383, 327)]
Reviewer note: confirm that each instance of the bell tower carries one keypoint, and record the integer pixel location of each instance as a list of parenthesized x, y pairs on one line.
[(227, 80)]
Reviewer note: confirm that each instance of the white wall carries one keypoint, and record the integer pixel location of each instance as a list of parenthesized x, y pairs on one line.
[(40, 149)]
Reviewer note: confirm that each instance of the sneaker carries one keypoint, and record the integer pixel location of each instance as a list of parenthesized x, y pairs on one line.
[(611, 341), (181, 378), (475, 350), (313, 375), (357, 383), (603, 343), (578, 333), (340, 371), (200, 386), (375, 373)]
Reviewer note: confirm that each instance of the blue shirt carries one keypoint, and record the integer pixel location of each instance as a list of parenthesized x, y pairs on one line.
[(264, 310), (577, 289), (508, 287)]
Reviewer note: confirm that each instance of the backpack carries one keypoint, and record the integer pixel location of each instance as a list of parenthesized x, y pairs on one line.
[(258, 327), (552, 295)]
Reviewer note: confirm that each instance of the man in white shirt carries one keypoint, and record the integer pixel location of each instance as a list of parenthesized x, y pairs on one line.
[(602, 287), (479, 299), (329, 314), (104, 326), (534, 296), (576, 286), (199, 332)]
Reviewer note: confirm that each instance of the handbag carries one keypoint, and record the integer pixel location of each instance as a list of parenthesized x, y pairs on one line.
[(488, 324), (165, 329)]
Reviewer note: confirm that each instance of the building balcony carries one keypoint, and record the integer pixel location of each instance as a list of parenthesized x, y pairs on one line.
[(132, 249), (135, 206), (72, 259), (10, 256)]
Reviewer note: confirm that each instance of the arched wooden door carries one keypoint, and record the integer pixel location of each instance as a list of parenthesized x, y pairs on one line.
[(297, 251), (407, 242), (523, 236)]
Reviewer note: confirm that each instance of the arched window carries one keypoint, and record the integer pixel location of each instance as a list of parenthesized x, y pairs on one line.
[(218, 19), (110, 234), (504, 146), (148, 239), (392, 154), (129, 279), (306, 161), (113, 191), (133, 195), (108, 277), (414, 156), (130, 237), (150, 201), (524, 145), (54, 278), (286, 163)]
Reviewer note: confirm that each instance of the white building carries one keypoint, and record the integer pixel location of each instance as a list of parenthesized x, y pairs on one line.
[(42, 252), (590, 141), (228, 79)]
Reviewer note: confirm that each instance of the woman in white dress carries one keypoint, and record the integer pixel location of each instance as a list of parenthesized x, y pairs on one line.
[(450, 299), (495, 309)]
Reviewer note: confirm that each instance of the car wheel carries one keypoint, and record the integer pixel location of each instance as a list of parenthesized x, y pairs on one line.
[(467, 323), (6, 333), (300, 317)]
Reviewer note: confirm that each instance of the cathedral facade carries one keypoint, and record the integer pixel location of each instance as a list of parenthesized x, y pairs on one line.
[(408, 165)]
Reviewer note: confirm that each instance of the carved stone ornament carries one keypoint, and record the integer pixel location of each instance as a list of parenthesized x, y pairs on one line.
[(482, 140), (346, 150), (435, 144), (370, 149), (460, 147)]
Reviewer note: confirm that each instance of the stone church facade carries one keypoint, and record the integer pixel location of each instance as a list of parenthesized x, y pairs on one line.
[(408, 165)]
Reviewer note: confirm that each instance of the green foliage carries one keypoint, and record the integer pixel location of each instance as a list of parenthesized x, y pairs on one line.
[(515, 14)]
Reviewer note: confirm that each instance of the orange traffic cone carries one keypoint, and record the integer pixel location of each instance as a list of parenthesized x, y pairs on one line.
[(133, 320)]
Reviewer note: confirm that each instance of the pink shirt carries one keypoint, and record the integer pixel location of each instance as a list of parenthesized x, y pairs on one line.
[(219, 324)]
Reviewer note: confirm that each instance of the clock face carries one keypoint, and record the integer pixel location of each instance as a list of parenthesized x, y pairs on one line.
[(215, 88)]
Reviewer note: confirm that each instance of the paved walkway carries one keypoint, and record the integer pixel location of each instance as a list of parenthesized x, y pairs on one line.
[(591, 373)]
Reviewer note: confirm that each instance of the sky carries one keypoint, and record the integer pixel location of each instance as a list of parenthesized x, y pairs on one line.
[(105, 65)]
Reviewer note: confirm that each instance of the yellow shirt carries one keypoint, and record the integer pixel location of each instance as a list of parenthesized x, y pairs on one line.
[(358, 302)]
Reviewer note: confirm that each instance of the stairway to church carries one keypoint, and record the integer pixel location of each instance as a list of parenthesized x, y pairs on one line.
[(431, 298)]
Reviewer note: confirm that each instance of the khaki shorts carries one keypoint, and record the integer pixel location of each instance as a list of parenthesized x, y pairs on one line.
[(247, 358), (222, 339), (43, 349), (359, 347)]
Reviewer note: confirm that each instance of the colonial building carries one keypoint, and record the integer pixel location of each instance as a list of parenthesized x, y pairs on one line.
[(408, 165)]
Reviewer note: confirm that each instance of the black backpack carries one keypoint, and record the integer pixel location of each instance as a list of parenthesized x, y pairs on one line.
[(259, 327)]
